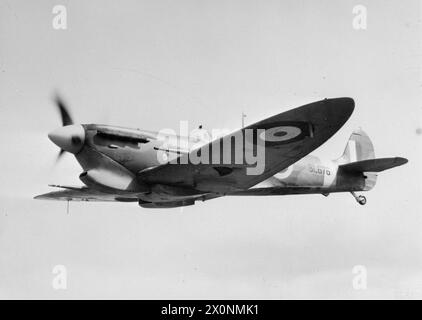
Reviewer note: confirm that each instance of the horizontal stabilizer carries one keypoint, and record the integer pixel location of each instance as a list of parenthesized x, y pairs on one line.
[(374, 165)]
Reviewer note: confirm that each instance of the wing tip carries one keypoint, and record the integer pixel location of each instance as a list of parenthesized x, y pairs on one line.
[(347, 104), (39, 197), (400, 161)]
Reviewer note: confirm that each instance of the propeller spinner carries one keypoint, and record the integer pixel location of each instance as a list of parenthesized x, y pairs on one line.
[(70, 137)]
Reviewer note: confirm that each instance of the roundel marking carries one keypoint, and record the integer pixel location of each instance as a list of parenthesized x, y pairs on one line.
[(280, 134)]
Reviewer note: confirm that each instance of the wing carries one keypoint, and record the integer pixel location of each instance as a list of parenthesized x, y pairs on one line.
[(288, 137), (82, 194)]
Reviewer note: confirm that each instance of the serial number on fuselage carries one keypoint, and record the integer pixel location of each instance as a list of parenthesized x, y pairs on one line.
[(319, 170)]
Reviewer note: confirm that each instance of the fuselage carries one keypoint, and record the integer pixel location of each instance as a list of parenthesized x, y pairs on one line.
[(130, 151)]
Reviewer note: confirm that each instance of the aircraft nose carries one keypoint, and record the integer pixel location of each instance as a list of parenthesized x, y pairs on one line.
[(69, 138)]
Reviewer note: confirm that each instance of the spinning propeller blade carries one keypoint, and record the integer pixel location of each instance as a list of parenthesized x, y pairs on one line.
[(63, 109), (66, 118)]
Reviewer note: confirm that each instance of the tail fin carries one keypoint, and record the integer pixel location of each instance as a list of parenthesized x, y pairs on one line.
[(359, 148)]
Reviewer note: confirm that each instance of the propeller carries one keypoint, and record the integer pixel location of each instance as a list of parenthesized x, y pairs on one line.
[(66, 118), (63, 109), (61, 152)]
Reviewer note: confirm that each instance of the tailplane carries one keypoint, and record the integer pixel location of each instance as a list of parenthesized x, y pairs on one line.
[(374, 165)]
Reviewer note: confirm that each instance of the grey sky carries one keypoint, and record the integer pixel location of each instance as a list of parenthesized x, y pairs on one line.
[(150, 64)]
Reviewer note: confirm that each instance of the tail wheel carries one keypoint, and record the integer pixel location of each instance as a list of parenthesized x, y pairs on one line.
[(362, 200)]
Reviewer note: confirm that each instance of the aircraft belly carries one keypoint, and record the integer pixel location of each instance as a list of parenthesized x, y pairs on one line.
[(160, 193)]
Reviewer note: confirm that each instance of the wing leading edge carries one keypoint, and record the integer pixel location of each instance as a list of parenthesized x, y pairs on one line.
[(82, 194)]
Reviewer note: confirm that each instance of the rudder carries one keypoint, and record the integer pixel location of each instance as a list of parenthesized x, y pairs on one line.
[(358, 148)]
